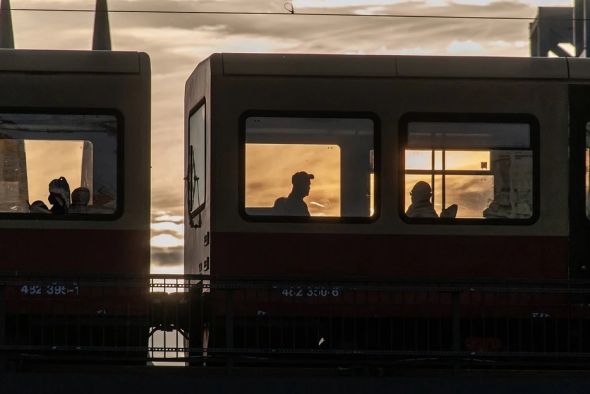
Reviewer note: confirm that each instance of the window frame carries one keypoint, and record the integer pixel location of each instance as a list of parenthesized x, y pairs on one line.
[(586, 165), (193, 212), (120, 165), (521, 118), (309, 114)]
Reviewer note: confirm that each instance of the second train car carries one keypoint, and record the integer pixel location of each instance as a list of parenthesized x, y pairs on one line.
[(372, 168), (317, 174)]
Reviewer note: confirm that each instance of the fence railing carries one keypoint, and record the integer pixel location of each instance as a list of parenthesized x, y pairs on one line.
[(196, 320)]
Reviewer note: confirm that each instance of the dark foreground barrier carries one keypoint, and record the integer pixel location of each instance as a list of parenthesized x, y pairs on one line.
[(345, 327)]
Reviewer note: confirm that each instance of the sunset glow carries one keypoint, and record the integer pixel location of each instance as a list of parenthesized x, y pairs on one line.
[(166, 241), (176, 44), (269, 168), (47, 160)]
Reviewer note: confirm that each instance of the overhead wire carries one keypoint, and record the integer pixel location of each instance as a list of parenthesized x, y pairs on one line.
[(299, 14)]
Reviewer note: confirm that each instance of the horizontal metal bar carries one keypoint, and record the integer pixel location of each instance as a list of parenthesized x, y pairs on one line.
[(448, 172)]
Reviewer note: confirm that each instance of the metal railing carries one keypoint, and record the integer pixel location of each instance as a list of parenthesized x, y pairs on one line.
[(196, 320)]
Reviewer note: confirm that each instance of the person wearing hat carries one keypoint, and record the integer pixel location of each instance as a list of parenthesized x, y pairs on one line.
[(293, 204), (421, 206)]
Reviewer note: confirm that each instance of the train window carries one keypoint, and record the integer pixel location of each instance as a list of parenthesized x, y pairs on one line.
[(58, 164), (300, 167), (196, 163), (468, 170)]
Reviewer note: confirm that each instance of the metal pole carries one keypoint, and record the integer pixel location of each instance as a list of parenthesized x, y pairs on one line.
[(101, 40), (456, 316), (6, 34), (229, 329), (3, 312)]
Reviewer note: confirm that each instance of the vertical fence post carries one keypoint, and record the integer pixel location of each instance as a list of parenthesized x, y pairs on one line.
[(229, 329), (456, 316), (195, 324), (3, 321)]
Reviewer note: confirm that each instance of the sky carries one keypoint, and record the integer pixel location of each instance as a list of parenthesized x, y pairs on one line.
[(267, 164), (177, 43)]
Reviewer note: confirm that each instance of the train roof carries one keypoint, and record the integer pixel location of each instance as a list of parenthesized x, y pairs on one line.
[(380, 66), (51, 61)]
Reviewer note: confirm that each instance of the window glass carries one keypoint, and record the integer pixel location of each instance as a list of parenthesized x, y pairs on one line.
[(420, 159), (466, 160), (309, 167), (197, 158), (468, 170), (458, 135), (58, 164), (454, 160)]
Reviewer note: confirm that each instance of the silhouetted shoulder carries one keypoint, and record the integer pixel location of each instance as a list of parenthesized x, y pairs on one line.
[(280, 205)]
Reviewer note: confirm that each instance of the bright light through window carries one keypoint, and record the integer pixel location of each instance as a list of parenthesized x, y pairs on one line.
[(301, 167), (468, 170)]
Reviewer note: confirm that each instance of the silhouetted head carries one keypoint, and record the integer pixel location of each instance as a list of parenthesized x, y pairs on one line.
[(59, 193), (80, 197), (301, 183), (39, 207), (421, 192)]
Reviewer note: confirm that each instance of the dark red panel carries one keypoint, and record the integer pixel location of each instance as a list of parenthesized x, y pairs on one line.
[(75, 252), (379, 257)]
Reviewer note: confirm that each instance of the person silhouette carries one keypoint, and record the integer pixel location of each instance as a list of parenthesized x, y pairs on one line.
[(38, 207), (59, 195), (293, 204), (80, 199), (421, 206)]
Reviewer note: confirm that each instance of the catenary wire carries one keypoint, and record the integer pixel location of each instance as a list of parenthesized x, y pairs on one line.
[(300, 14)]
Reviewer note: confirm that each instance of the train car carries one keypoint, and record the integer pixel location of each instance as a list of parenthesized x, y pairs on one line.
[(386, 168), (74, 185), (498, 147), (74, 126)]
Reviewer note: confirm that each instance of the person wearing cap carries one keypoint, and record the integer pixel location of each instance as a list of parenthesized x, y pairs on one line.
[(421, 206), (293, 204)]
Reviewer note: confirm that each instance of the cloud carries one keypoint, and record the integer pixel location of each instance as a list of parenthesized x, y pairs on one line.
[(548, 3), (170, 227), (177, 43), (464, 47), (331, 4), (165, 217), (171, 258), (302, 4), (412, 51), (166, 241), (474, 2)]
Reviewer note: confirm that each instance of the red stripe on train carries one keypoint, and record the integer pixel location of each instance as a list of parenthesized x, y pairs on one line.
[(380, 257), (75, 252)]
